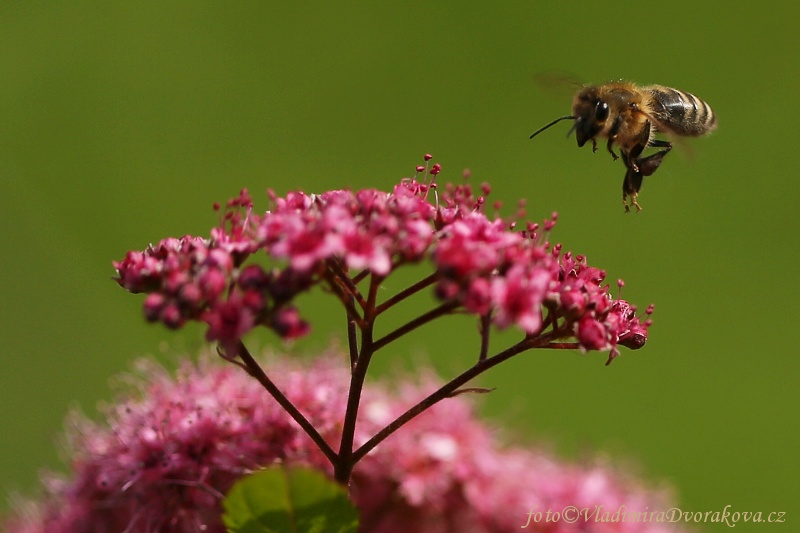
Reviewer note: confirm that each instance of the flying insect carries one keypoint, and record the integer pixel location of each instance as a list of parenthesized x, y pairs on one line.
[(629, 116)]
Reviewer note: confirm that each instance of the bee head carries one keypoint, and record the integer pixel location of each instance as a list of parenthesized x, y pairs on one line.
[(591, 113)]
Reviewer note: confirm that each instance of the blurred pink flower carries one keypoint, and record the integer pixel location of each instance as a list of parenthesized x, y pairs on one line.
[(171, 447)]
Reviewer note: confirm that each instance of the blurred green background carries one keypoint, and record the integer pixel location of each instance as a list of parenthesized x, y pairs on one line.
[(122, 124)]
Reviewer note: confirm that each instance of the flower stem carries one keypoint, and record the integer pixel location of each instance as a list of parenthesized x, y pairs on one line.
[(337, 275), (352, 342), (447, 390), (486, 329), (344, 290), (405, 293), (255, 370), (563, 345), (343, 466), (443, 309)]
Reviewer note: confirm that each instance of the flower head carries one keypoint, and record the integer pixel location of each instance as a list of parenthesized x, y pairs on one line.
[(481, 265)]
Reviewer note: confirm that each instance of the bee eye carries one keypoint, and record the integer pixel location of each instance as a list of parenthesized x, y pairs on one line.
[(601, 111)]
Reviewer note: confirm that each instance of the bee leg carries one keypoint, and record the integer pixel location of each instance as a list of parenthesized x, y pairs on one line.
[(612, 135), (649, 164), (632, 161), (633, 177), (610, 148), (644, 140), (629, 183), (630, 189), (658, 143), (594, 146), (634, 165)]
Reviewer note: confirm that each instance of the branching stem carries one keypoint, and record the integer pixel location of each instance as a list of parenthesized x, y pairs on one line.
[(255, 370)]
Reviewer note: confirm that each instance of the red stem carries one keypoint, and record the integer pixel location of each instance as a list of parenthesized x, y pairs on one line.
[(343, 467), (405, 293), (340, 276), (447, 390), (443, 309), (255, 370)]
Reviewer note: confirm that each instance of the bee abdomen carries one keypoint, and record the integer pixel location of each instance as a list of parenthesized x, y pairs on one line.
[(681, 112)]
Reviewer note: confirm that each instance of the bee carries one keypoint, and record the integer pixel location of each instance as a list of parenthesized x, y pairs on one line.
[(629, 117)]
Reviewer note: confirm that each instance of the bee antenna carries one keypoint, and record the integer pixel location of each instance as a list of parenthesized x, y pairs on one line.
[(556, 121)]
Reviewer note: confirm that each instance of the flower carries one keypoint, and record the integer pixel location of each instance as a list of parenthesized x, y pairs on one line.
[(480, 265), (249, 274), (172, 446)]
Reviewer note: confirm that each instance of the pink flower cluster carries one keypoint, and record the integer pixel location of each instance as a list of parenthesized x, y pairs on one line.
[(173, 446), (481, 265)]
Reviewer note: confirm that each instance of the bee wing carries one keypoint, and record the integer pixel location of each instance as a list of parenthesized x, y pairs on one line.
[(684, 147), (558, 84)]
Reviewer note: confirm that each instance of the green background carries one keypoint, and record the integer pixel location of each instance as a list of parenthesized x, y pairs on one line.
[(121, 125)]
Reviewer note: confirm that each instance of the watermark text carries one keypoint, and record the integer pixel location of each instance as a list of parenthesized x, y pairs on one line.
[(572, 514)]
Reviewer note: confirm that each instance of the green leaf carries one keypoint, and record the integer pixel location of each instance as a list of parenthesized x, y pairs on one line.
[(288, 500)]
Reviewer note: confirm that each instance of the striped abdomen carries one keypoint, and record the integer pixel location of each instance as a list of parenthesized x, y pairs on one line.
[(680, 112)]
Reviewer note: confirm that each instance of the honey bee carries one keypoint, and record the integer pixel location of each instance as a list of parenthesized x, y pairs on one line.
[(629, 116)]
